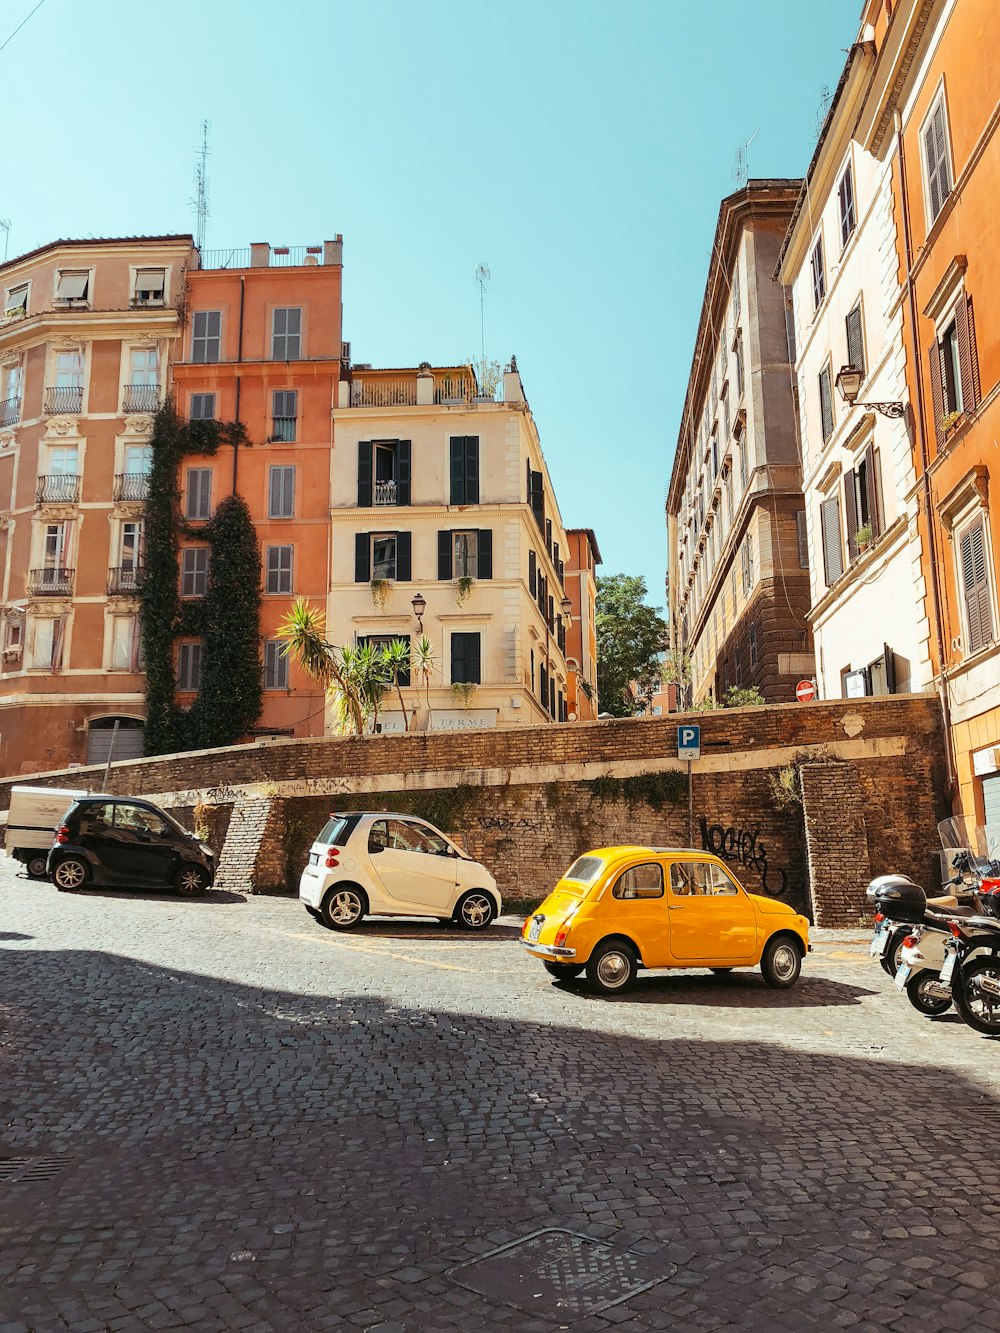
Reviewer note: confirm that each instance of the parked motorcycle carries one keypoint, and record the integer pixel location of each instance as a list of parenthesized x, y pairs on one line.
[(971, 965)]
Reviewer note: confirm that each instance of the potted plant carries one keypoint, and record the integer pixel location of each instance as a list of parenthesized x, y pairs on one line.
[(863, 536), (464, 587), (380, 592), (949, 421)]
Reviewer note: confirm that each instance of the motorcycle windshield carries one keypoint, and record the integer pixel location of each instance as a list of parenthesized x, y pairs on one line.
[(967, 845)]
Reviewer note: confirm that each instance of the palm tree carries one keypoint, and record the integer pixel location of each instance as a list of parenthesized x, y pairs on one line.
[(423, 660), (396, 659), (304, 630)]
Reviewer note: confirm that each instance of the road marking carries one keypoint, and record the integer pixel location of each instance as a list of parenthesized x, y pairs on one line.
[(386, 953)]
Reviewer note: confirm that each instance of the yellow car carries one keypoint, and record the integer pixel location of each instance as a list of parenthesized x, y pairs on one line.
[(621, 908)]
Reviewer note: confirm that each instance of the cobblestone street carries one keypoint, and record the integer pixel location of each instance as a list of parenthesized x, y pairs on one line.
[(214, 1114)]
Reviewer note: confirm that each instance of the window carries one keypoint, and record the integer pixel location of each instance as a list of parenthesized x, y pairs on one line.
[(17, 300), (72, 284), (700, 879), (378, 641), (56, 545), (131, 546), (748, 569), (140, 819), (863, 501), (69, 369), (738, 354), (826, 403), (466, 659), (47, 650), (202, 407), (125, 643), (645, 881), (150, 284), (64, 461), (383, 472), (536, 497), (954, 365), (951, 375), (803, 538), (189, 666), (194, 571), (855, 340), (465, 564), (936, 161), (848, 217), (383, 564), (279, 569), (715, 455), (286, 333), (753, 643), (532, 574), (818, 273), (275, 665), (139, 459), (199, 492), (281, 491), (736, 296), (464, 469), (10, 405), (469, 554), (833, 555), (206, 335), (144, 366), (971, 549), (284, 410)]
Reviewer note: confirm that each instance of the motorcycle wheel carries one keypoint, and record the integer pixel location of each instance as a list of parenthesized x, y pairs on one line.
[(891, 960), (979, 1008), (928, 1005)]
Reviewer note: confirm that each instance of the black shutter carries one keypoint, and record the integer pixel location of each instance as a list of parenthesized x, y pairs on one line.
[(538, 501), (532, 573), (402, 472), (466, 663), (855, 340), (474, 658), (365, 473), (457, 469), (362, 557), (528, 492), (472, 469), (403, 557), (968, 371), (851, 513), (485, 556), (937, 389), (444, 555)]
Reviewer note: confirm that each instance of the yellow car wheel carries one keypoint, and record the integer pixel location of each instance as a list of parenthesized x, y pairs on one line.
[(781, 961), (612, 967)]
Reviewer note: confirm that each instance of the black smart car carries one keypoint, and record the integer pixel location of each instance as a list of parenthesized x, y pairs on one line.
[(120, 842)]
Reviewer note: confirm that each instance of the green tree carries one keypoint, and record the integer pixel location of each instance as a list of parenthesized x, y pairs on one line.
[(630, 638)]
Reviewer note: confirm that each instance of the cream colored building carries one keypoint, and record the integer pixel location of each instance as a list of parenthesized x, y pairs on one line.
[(442, 494), (839, 260)]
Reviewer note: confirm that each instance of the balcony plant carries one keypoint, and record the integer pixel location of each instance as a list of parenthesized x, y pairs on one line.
[(949, 421), (864, 536), (463, 588), (380, 592)]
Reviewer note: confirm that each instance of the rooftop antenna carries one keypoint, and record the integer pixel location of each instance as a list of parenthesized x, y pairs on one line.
[(201, 184), (5, 223), (824, 106), (743, 162), (482, 277)]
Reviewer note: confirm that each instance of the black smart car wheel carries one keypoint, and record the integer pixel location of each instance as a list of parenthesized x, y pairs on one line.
[(190, 881), (70, 874)]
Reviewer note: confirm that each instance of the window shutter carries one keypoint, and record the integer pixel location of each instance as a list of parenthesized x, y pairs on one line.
[(851, 513), (472, 469), (930, 156), (444, 555), (485, 556), (937, 389), (968, 372), (977, 392), (474, 658), (826, 403), (833, 557), (404, 564), (403, 472), (362, 557), (855, 340), (532, 573), (879, 502), (288, 492), (873, 489), (976, 587), (457, 469), (364, 474), (802, 535)]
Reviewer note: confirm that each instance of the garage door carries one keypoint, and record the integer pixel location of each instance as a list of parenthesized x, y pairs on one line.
[(127, 742), (991, 802)]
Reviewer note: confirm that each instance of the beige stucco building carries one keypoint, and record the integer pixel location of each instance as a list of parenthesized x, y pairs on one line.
[(441, 493)]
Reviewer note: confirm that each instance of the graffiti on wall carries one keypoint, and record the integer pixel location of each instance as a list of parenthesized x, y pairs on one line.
[(743, 846), (498, 824)]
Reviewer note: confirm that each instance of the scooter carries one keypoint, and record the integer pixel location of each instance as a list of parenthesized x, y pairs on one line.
[(972, 966)]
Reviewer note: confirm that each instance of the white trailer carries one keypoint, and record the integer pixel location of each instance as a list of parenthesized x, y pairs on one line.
[(34, 815)]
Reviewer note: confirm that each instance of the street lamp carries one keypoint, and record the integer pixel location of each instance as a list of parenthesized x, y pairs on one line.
[(419, 607), (566, 609), (848, 381)]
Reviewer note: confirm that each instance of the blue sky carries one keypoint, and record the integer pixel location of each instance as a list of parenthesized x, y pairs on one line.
[(580, 147)]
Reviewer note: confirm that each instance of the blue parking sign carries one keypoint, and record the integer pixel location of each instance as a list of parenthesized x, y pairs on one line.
[(689, 742)]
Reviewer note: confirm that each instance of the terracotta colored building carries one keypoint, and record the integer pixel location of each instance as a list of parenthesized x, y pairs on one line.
[(581, 637)]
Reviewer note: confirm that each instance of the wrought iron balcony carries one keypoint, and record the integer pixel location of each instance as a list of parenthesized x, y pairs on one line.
[(131, 486), (124, 580), (384, 493), (58, 488), (141, 398), (10, 411), (53, 581), (283, 429), (64, 398)]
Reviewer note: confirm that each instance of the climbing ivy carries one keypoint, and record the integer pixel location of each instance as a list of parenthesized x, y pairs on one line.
[(227, 619)]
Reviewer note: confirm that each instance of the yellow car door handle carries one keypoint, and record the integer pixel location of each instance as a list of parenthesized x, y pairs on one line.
[(675, 907)]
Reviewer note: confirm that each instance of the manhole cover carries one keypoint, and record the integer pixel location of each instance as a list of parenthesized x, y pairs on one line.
[(557, 1273), (20, 1170)]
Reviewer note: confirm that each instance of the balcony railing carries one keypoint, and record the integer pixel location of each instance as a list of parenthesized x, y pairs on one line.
[(124, 580), (384, 393), (283, 429), (53, 581), (384, 493), (58, 488), (10, 412), (131, 486), (64, 398), (455, 390), (141, 398)]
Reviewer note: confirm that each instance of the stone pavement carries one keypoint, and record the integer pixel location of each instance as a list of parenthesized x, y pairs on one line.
[(217, 1115)]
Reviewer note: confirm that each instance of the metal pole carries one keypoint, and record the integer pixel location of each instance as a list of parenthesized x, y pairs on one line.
[(111, 750), (690, 808)]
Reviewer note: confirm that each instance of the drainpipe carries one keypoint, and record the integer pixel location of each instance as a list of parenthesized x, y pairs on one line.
[(919, 422), (239, 361)]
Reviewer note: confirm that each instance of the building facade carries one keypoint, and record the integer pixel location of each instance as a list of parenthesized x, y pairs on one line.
[(581, 637), (442, 505), (871, 632), (87, 334), (738, 576)]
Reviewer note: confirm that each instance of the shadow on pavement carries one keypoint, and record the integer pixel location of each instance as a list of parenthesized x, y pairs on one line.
[(740, 990), (167, 895), (394, 928), (301, 1161), (13, 935)]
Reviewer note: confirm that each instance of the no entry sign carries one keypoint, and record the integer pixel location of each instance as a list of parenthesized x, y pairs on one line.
[(804, 691)]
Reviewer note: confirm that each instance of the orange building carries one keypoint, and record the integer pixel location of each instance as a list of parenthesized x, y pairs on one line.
[(581, 635), (262, 345), (944, 110)]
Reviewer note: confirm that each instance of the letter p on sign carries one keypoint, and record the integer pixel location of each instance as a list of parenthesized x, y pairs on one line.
[(689, 742)]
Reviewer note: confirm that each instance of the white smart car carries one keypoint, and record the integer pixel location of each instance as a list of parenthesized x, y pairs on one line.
[(393, 865)]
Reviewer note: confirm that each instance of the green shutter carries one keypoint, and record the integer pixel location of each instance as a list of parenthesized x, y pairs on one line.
[(362, 557), (402, 472), (485, 556), (365, 473), (472, 469), (457, 470), (404, 564), (444, 555)]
